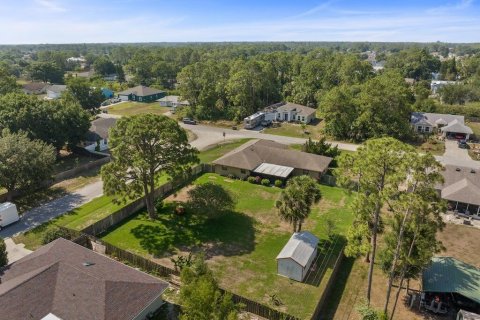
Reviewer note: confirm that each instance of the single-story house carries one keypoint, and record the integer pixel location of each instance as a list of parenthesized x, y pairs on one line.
[(54, 91), (270, 160), (172, 101), (283, 111), (296, 257), (97, 137), (461, 188), (35, 88), (452, 282), (63, 280), (107, 93), (451, 126), (141, 94)]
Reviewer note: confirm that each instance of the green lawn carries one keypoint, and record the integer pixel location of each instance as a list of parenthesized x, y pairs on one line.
[(241, 246), (219, 150), (71, 161), (131, 108), (295, 130), (76, 219), (475, 127)]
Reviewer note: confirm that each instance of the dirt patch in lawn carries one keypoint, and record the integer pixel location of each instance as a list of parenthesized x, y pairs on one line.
[(181, 196)]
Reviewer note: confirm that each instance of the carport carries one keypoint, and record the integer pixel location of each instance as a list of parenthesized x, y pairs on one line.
[(456, 130), (273, 171), (452, 282)]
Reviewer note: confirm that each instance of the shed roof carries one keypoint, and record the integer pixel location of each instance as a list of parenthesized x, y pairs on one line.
[(299, 248), (273, 170), (141, 91), (447, 274), (73, 282), (457, 126)]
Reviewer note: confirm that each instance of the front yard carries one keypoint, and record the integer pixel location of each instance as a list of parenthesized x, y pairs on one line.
[(241, 246), (131, 108), (313, 130)]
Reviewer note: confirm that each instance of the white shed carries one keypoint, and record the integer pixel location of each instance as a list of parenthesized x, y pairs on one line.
[(297, 256)]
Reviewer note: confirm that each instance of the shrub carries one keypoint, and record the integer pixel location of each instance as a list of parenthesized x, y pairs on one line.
[(53, 234), (231, 176), (158, 205), (265, 182), (258, 179), (278, 183), (251, 179), (210, 200), (3, 253)]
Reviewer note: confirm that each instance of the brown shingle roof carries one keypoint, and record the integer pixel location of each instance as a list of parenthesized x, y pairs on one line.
[(34, 86), (55, 280), (141, 91), (255, 152)]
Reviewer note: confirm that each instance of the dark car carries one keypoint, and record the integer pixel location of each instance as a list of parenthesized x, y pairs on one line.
[(189, 121), (462, 144)]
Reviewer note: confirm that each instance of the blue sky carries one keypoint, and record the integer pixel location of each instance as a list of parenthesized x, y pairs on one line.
[(74, 21)]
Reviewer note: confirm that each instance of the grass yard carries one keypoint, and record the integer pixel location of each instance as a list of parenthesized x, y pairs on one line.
[(433, 146), (352, 279), (131, 108), (215, 152), (241, 246), (70, 161), (295, 130), (76, 219), (475, 126)]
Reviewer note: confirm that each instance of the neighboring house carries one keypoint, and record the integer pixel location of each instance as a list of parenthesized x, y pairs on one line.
[(110, 77), (270, 160), (141, 94), (54, 91), (107, 93), (435, 85), (35, 88), (63, 280), (283, 111), (452, 279), (296, 257), (97, 137), (172, 101), (451, 126), (461, 188)]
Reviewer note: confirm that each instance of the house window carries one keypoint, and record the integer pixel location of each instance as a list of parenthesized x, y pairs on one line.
[(306, 172), (139, 98), (224, 168), (243, 171), (419, 128), (303, 118), (427, 129)]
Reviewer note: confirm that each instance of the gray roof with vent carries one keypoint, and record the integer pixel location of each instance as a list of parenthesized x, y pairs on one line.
[(461, 184)]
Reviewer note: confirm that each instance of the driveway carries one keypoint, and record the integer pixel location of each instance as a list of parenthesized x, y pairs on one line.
[(456, 156), (53, 209), (15, 251)]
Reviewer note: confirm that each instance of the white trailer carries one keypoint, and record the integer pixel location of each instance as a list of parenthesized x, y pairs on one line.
[(8, 214)]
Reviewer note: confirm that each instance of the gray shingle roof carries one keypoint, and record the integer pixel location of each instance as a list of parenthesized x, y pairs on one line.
[(99, 129), (457, 126), (461, 184), (432, 118), (141, 91), (301, 110), (253, 153), (54, 279), (57, 88), (299, 248)]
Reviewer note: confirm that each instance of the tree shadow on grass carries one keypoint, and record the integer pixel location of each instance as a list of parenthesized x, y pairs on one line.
[(230, 234)]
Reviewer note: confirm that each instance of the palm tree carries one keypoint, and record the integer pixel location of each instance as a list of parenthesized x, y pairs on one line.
[(296, 200)]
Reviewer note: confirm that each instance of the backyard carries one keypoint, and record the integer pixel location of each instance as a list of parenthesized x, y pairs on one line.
[(241, 246), (131, 108)]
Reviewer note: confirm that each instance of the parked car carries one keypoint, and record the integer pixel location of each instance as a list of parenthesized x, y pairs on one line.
[(462, 144), (189, 121), (266, 123)]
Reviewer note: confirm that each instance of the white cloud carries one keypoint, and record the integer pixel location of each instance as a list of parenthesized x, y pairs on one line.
[(457, 6), (50, 5)]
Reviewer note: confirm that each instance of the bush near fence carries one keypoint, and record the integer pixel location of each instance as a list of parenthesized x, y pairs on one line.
[(132, 208), (162, 271)]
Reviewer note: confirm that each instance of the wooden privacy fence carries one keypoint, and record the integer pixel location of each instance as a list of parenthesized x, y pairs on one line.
[(133, 207), (162, 271)]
